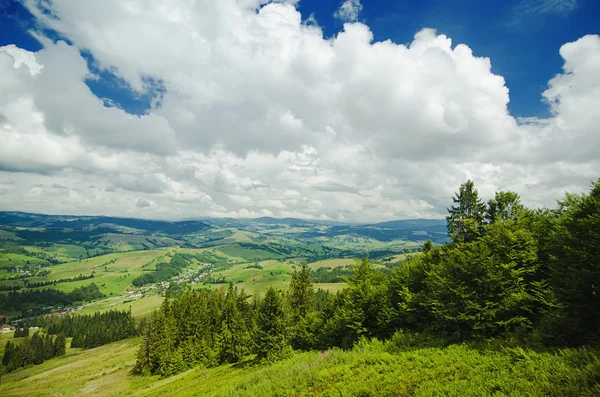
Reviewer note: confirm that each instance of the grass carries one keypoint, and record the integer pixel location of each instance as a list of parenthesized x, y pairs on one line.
[(370, 369), (113, 278), (235, 250), (331, 263), (9, 336), (139, 307), (274, 273)]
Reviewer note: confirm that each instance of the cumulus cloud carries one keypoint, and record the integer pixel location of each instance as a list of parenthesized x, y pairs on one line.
[(349, 10), (260, 115)]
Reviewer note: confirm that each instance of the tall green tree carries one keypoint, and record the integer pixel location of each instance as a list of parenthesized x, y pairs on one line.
[(361, 310), (488, 287), (9, 350), (504, 206), (301, 294), (235, 338), (466, 217), (60, 345), (575, 265), (271, 339)]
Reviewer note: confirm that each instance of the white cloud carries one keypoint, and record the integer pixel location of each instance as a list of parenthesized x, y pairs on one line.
[(537, 7), (349, 10), (263, 116)]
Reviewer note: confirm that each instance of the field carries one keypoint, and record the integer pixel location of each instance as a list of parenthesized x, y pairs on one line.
[(331, 263), (139, 308), (112, 277), (5, 337), (370, 369), (273, 273)]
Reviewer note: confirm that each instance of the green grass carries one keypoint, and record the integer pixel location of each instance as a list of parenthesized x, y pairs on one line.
[(115, 277), (274, 273), (331, 263), (139, 308), (371, 369), (236, 251), (9, 336)]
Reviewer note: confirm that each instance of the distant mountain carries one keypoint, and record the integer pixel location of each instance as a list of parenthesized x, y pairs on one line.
[(414, 224), (24, 219)]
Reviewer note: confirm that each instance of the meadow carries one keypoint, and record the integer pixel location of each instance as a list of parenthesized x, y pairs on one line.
[(370, 369)]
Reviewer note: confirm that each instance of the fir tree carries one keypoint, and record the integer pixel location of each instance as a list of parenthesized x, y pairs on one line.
[(9, 351), (466, 219), (271, 340), (60, 345)]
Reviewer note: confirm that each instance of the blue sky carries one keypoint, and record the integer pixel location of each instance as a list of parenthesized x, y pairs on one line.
[(522, 38)]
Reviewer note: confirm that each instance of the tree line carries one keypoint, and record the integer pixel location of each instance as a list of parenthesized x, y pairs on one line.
[(34, 350), (165, 270), (38, 284), (32, 303), (93, 330), (21, 332), (508, 272)]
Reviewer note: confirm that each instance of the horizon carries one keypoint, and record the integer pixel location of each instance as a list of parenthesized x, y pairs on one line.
[(202, 218), (344, 111)]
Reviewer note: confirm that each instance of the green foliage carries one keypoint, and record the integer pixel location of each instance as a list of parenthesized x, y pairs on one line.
[(34, 350), (504, 206), (360, 310), (95, 330), (197, 328), (271, 336), (574, 266), (164, 271), (466, 218), (21, 332), (60, 345), (31, 303)]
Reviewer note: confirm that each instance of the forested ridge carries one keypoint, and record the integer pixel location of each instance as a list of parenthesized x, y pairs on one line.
[(509, 272)]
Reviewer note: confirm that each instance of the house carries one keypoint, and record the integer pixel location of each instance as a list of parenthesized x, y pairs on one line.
[(7, 328)]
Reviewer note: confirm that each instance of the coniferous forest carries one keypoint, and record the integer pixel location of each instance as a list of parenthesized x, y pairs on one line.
[(34, 350), (509, 273)]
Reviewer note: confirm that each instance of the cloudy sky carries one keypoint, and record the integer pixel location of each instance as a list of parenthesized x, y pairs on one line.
[(314, 109)]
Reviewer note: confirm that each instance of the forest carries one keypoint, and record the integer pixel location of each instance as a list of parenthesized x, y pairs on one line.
[(509, 272)]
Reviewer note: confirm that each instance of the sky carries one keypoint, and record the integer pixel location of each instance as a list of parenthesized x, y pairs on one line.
[(319, 109)]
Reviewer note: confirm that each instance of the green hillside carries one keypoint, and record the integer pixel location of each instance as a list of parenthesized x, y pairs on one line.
[(370, 369)]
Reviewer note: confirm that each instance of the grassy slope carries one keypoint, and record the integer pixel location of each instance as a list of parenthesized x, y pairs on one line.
[(117, 276), (139, 308), (457, 370)]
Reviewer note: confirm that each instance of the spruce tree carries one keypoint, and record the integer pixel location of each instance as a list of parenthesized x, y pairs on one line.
[(60, 345), (271, 340), (37, 345), (301, 294), (48, 348), (466, 218), (234, 334), (8, 353)]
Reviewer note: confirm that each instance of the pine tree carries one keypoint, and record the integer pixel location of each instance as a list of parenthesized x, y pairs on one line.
[(466, 219), (575, 265), (9, 350), (271, 340), (48, 348), (37, 345), (60, 345), (301, 294), (234, 334)]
